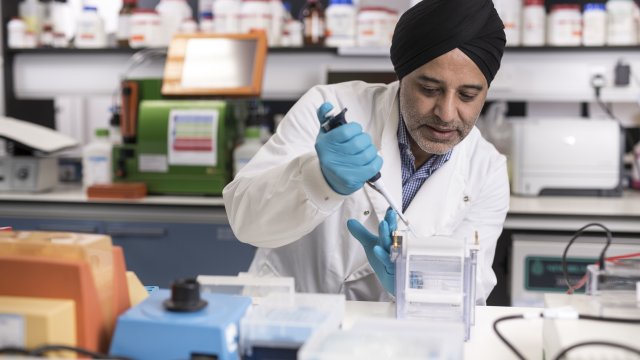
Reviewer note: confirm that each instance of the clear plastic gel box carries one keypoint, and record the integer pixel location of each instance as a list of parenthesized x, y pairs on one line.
[(279, 322), (376, 338)]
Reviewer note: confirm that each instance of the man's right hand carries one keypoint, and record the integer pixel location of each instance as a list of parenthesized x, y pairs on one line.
[(347, 155)]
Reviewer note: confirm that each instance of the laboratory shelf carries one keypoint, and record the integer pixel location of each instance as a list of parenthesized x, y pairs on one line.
[(551, 49), (343, 51), (48, 51), (128, 50)]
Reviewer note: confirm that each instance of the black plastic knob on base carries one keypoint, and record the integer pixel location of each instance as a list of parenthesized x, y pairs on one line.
[(185, 296)]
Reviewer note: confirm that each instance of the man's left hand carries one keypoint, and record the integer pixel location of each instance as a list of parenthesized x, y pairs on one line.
[(377, 248)]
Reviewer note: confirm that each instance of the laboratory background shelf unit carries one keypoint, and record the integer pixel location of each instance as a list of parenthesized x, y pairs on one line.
[(182, 245)]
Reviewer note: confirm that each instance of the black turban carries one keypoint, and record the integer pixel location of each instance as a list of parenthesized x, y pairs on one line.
[(434, 27)]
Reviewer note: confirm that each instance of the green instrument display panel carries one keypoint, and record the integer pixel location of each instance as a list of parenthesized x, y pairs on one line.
[(543, 273)]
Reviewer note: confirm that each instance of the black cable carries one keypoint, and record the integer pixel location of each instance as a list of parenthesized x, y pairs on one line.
[(596, 87), (563, 352), (597, 82), (602, 343), (41, 350), (606, 109), (609, 319), (575, 236), (10, 350), (504, 340)]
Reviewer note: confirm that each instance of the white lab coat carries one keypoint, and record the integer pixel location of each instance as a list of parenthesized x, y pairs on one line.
[(281, 203)]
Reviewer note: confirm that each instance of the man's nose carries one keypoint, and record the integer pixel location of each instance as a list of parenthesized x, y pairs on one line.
[(445, 107)]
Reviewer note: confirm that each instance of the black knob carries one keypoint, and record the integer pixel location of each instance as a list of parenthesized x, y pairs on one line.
[(185, 296)]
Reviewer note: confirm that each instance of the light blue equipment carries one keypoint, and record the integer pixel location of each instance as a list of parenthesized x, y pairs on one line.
[(377, 248), (150, 331)]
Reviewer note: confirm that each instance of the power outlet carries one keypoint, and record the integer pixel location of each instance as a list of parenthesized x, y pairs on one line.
[(598, 76)]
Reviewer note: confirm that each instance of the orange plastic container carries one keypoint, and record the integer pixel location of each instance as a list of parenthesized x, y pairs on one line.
[(35, 261)]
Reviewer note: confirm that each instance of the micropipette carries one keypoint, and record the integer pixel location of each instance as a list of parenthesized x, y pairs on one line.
[(332, 122)]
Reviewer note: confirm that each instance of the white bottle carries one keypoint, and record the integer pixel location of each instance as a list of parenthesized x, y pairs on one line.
[(392, 20), (227, 16), (533, 23), (340, 18), (146, 29), (30, 40), (621, 22), (16, 33), (248, 149), (255, 15), (188, 26), (372, 26), (565, 25), (61, 17), (96, 160), (278, 15), (293, 31), (90, 32), (172, 14), (32, 13), (594, 25), (510, 12), (207, 24)]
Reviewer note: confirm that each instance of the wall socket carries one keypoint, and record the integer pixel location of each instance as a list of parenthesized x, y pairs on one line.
[(598, 74)]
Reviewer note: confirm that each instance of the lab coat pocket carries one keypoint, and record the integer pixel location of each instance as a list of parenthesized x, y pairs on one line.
[(363, 285)]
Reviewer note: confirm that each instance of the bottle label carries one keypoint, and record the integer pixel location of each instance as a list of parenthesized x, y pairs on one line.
[(98, 170), (341, 25)]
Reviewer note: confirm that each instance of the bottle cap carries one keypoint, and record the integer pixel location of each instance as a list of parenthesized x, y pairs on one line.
[(102, 132), (144, 11), (595, 6), (557, 7), (533, 2)]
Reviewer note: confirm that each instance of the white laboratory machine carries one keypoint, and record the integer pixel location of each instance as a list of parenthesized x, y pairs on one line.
[(566, 156), (28, 155)]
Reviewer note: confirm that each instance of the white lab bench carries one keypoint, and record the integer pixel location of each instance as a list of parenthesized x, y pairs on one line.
[(530, 336), (169, 236), (542, 212), (570, 213), (526, 335)]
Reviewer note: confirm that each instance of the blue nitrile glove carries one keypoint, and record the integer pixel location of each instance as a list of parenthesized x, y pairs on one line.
[(347, 156), (377, 248)]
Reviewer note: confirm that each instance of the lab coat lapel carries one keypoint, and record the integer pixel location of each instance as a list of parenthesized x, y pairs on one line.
[(388, 146), (440, 196)]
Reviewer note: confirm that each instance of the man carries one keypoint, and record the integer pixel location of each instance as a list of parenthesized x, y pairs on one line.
[(302, 199)]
